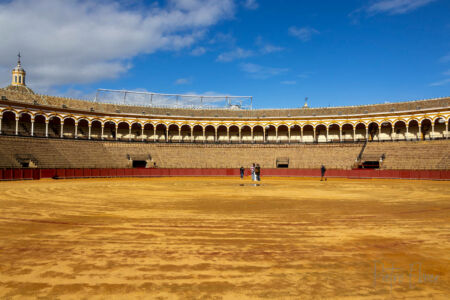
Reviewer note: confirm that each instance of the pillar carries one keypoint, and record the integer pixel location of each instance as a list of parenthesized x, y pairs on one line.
[(76, 130), (89, 134), (32, 127), (367, 133), (354, 133), (192, 134), (446, 125), (204, 135), (240, 136), (154, 133), (167, 134), (289, 134), (17, 126), (328, 132), (228, 134), (276, 134), (264, 134), (251, 134), (62, 128), (301, 134), (215, 134), (420, 132), (432, 131), (129, 132), (340, 133), (314, 134), (179, 134), (103, 131), (46, 128), (407, 132), (392, 132), (0, 124)]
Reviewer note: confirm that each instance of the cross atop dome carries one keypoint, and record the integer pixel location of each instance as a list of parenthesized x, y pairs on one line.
[(18, 74)]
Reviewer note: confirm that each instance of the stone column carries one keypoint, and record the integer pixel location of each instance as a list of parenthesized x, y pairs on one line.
[(62, 128), (0, 124), (276, 134), (301, 134), (76, 130), (46, 128), (251, 133), (154, 133), (179, 134), (89, 134), (204, 135), (103, 131), (367, 133), (167, 134), (432, 131), (17, 126), (340, 133), (192, 134), (354, 133), (32, 127), (420, 137), (215, 134), (407, 132), (129, 132), (392, 133), (240, 135), (328, 132), (289, 134), (446, 125), (314, 134), (264, 134), (228, 134)]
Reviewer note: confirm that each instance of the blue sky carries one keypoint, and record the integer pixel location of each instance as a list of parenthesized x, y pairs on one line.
[(333, 52)]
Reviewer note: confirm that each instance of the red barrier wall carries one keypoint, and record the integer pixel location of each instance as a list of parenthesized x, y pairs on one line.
[(19, 174)]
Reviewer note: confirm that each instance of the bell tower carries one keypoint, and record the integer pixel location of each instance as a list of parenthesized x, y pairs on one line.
[(18, 74)]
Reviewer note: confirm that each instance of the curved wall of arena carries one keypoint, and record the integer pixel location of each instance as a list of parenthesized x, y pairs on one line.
[(28, 114)]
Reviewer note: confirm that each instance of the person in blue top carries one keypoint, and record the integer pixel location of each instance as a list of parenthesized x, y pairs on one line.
[(322, 172)]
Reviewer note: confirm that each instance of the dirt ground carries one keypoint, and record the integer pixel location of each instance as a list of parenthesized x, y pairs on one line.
[(223, 238)]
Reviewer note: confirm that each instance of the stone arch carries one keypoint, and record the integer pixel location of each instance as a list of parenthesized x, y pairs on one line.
[(321, 133), (173, 132), (8, 122), (413, 130), (283, 133), (96, 129), (136, 131), (386, 131), (426, 126), (222, 135), (210, 133), (360, 132), (333, 132), (83, 128), (24, 127), (347, 132), (185, 133), (374, 131), (54, 126), (295, 133), (234, 134), (161, 132), (123, 130), (308, 133), (109, 130), (246, 134), (69, 127), (258, 134), (39, 125), (198, 133), (399, 130), (439, 128), (271, 133)]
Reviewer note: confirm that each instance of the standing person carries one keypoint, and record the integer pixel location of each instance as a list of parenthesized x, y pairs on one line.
[(252, 170), (242, 170), (258, 172), (322, 171)]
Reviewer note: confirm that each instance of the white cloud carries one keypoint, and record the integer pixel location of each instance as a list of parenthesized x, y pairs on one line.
[(75, 41), (445, 58), (261, 72), (303, 33), (447, 73), (395, 7), (266, 48), (289, 82), (198, 51), (441, 83), (250, 4), (234, 54), (181, 81)]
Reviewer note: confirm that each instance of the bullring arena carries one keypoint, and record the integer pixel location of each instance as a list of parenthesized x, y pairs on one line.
[(110, 201)]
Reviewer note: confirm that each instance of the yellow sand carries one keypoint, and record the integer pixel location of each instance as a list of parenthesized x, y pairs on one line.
[(222, 238)]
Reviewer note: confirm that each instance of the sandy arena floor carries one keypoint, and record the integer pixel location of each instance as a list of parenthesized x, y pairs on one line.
[(222, 238)]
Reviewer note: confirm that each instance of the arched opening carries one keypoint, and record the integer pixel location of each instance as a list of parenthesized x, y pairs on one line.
[(308, 134), (96, 130), (333, 133), (347, 132), (246, 134), (210, 133), (83, 129), (109, 130), (386, 131), (9, 123), (25, 124), (123, 131), (399, 131), (69, 128), (161, 132), (360, 132), (258, 134), (374, 132), (283, 134), (136, 132), (295, 134), (234, 134), (186, 133), (321, 133), (426, 129), (198, 134), (149, 130), (39, 125), (271, 134), (222, 135), (413, 130), (439, 128), (174, 133), (54, 126)]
